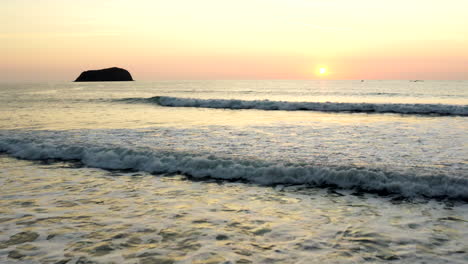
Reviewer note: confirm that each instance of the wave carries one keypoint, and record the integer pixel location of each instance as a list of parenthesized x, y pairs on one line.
[(419, 109), (259, 172)]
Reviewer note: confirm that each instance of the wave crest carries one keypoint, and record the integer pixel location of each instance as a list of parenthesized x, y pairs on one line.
[(201, 166), (419, 109)]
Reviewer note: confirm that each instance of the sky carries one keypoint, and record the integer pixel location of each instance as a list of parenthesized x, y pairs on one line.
[(55, 40)]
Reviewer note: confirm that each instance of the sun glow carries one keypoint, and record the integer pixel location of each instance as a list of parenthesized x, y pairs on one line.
[(251, 39), (321, 71)]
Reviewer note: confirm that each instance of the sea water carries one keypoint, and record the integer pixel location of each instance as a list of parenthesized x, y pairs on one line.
[(234, 172)]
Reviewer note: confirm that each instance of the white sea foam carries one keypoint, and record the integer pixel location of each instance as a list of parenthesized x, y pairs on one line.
[(264, 173), (420, 109)]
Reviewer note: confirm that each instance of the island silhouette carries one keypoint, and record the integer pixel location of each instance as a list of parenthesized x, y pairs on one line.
[(113, 74)]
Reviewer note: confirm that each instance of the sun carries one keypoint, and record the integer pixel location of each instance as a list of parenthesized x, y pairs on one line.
[(322, 71)]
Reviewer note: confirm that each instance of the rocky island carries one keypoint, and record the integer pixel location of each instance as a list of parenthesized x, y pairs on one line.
[(113, 74)]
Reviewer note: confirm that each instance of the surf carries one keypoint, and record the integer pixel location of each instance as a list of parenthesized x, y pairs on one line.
[(201, 166), (234, 104)]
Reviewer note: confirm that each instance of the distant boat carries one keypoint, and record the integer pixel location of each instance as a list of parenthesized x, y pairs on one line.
[(416, 80)]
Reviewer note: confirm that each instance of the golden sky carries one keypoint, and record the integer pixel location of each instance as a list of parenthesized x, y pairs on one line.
[(54, 40)]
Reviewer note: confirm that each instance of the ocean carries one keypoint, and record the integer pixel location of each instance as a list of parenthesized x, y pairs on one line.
[(234, 172)]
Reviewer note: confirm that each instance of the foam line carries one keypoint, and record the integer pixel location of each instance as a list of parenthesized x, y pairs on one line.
[(419, 109), (259, 172)]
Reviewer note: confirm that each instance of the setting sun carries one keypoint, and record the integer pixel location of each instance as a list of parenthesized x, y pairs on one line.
[(322, 71)]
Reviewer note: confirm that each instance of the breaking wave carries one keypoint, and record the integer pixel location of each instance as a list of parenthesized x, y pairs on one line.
[(259, 172), (419, 109)]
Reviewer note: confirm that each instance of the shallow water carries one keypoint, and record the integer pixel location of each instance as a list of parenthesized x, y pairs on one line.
[(117, 176), (91, 214)]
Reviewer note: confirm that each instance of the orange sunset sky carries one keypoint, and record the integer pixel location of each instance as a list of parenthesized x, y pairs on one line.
[(54, 40)]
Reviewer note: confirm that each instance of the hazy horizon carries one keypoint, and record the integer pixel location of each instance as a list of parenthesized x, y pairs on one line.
[(53, 40), (221, 80)]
